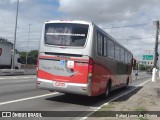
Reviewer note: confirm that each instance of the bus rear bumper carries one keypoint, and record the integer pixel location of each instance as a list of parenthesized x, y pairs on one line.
[(75, 88)]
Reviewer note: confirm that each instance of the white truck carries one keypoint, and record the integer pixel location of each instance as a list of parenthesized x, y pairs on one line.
[(6, 56)]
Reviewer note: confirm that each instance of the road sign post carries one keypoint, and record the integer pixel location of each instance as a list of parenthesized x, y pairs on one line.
[(153, 74)]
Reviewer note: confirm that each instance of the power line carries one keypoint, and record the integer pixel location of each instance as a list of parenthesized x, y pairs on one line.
[(134, 25), (135, 38), (21, 27), (30, 41)]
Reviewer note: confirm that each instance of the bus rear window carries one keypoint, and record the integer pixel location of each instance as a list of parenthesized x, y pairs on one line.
[(66, 34)]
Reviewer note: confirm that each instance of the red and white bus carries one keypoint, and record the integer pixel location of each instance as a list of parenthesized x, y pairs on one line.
[(80, 58)]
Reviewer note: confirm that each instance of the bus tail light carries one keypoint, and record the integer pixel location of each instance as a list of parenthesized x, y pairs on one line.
[(90, 66), (90, 69)]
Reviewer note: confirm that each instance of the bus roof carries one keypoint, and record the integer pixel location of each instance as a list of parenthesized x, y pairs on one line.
[(68, 21)]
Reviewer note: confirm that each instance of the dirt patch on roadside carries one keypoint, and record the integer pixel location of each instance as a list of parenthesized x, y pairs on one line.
[(143, 99)]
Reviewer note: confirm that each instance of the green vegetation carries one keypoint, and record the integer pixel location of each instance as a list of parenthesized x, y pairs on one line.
[(144, 67), (108, 107), (102, 112), (142, 118), (31, 59), (141, 109)]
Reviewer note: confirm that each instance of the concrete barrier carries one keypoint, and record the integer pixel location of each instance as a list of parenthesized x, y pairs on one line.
[(17, 72)]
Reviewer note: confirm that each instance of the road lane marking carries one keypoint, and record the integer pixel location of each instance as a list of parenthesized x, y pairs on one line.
[(2, 82), (23, 81), (97, 108), (10, 78), (29, 98)]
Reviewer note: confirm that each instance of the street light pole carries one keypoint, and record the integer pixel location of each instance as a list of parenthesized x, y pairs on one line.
[(15, 33), (28, 44), (155, 52)]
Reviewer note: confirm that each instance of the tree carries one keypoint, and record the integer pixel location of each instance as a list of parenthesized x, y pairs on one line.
[(32, 57), (23, 57)]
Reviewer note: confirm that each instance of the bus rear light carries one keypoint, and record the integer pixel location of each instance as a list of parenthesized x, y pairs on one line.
[(90, 69), (90, 66), (91, 61)]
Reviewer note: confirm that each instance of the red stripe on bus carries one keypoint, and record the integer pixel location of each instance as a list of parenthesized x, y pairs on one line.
[(77, 78)]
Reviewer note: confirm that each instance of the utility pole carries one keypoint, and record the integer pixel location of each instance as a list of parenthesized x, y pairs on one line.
[(15, 33), (156, 45), (28, 44), (156, 51)]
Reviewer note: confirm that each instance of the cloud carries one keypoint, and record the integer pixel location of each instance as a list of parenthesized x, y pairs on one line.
[(139, 14), (11, 1), (103, 11), (113, 15), (35, 16)]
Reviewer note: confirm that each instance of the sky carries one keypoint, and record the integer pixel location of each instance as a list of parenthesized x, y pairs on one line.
[(131, 22)]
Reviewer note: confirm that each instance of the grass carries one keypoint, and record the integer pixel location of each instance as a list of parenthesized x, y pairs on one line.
[(108, 107), (141, 109), (101, 112), (141, 118)]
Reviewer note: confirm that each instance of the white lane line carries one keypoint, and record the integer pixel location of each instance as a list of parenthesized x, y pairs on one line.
[(17, 81), (29, 98), (10, 78), (97, 108)]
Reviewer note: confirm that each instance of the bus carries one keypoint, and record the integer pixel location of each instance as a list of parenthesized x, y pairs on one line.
[(78, 57)]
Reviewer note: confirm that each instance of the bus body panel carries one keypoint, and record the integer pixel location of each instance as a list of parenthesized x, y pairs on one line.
[(75, 88), (59, 70), (62, 78)]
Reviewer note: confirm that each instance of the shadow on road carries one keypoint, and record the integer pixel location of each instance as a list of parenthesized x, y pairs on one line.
[(94, 101)]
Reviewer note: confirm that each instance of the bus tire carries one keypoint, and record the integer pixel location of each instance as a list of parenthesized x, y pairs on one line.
[(127, 83), (108, 90), (16, 68), (51, 91)]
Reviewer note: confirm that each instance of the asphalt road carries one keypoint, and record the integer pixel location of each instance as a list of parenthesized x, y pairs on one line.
[(19, 93)]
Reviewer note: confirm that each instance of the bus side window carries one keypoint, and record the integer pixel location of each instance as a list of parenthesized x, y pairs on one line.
[(99, 44), (110, 49), (122, 55), (105, 46), (117, 52), (129, 58), (126, 57)]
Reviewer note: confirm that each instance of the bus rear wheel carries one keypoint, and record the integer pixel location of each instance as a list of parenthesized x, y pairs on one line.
[(108, 90), (126, 84)]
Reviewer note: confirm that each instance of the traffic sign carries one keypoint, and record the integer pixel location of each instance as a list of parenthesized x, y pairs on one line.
[(147, 57)]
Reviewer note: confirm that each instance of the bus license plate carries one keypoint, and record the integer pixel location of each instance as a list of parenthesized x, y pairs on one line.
[(59, 84)]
